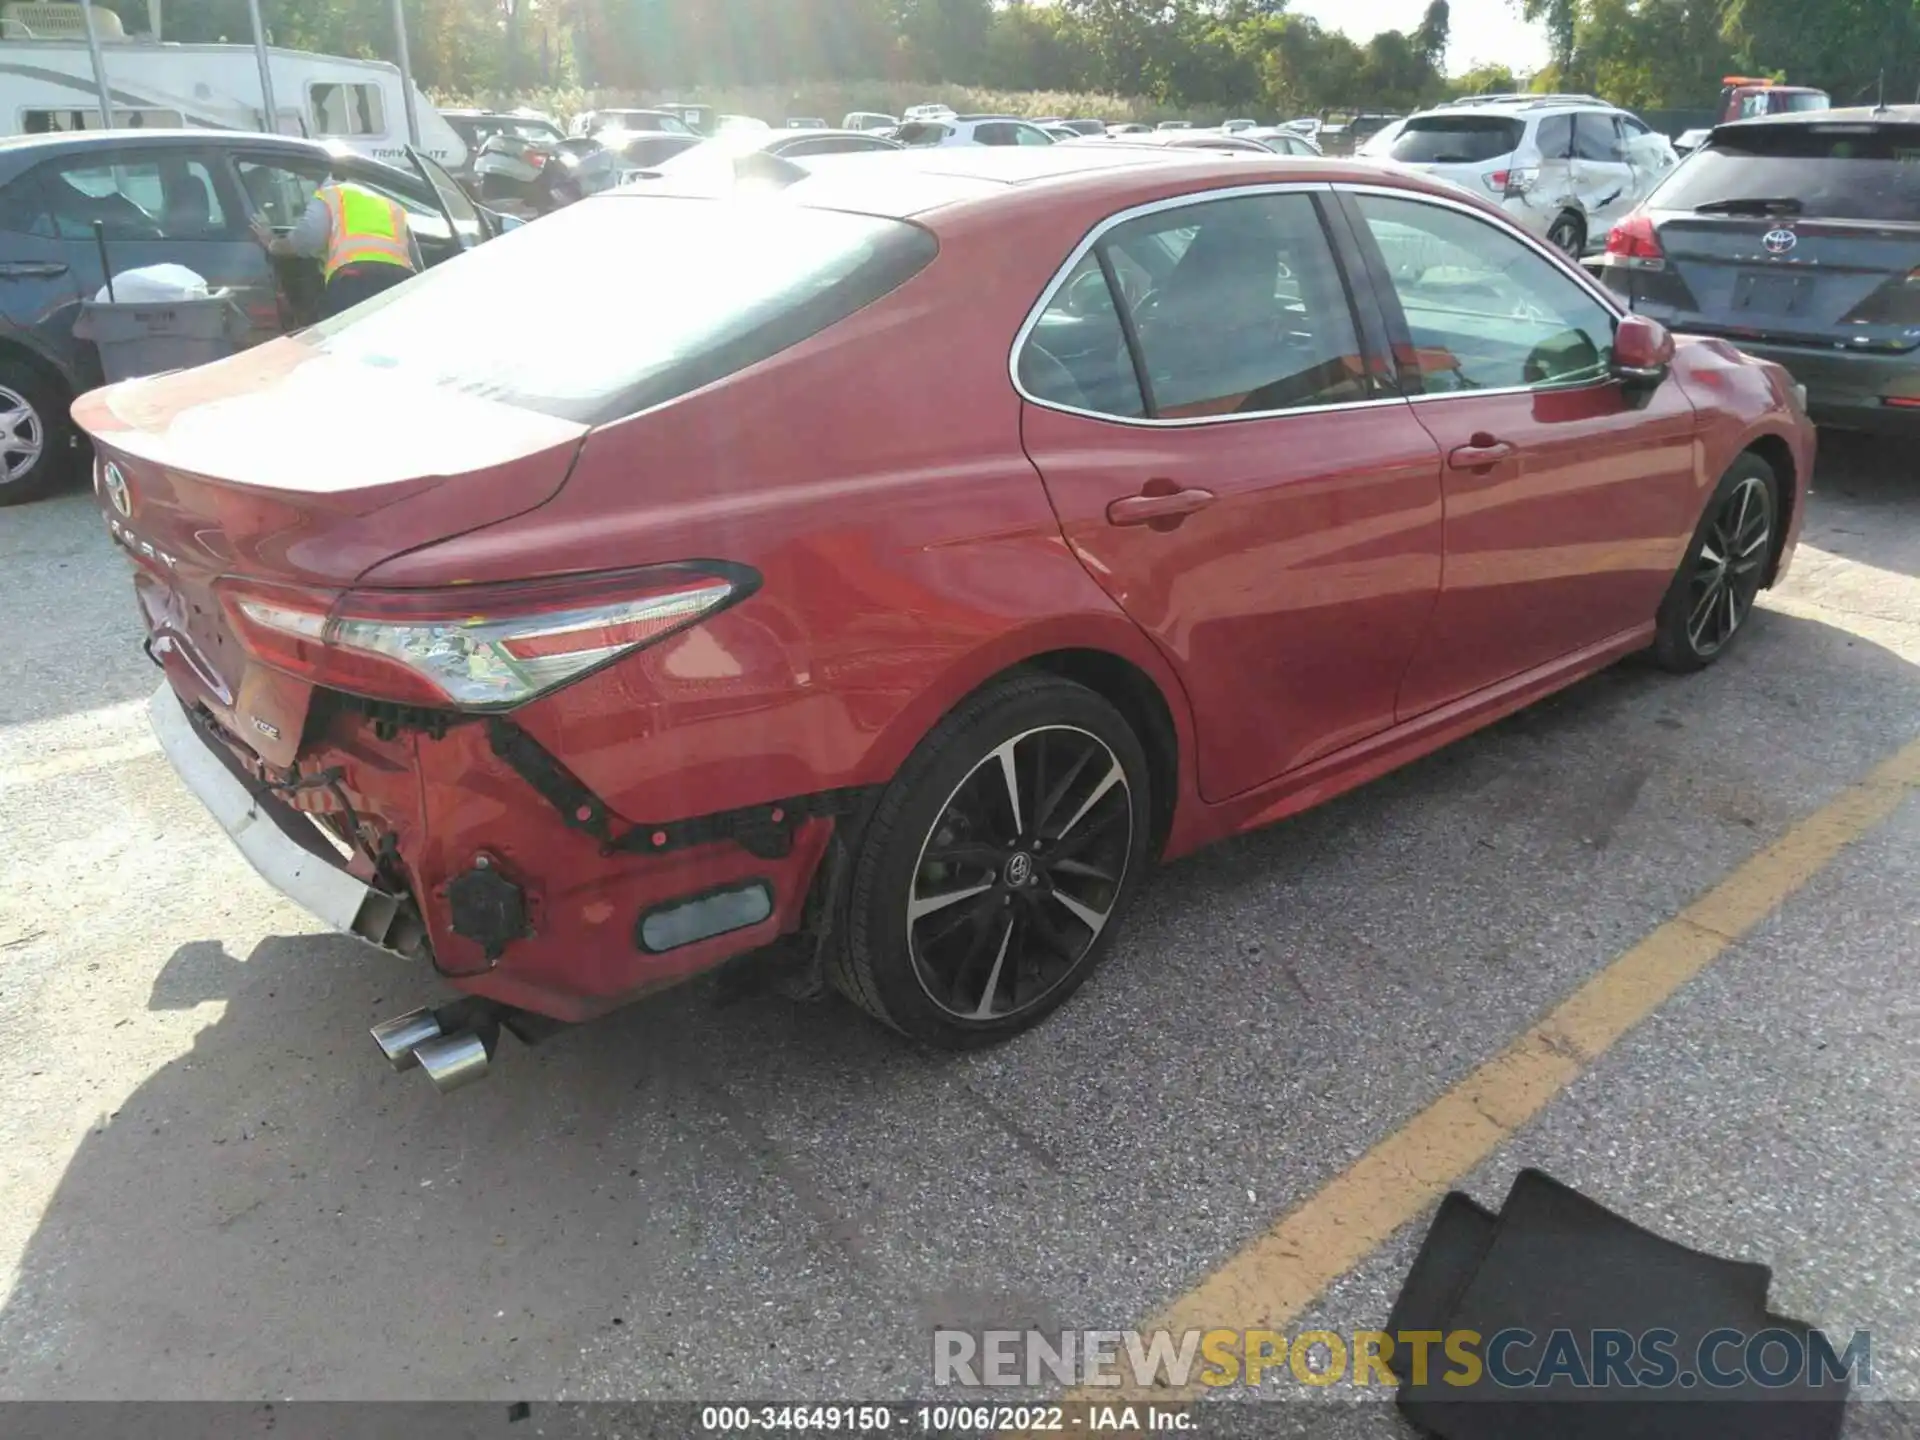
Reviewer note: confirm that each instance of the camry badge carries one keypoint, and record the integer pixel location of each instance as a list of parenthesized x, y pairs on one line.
[(1779, 242), (115, 484)]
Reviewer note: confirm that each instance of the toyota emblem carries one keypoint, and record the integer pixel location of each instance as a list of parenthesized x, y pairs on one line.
[(1779, 242), (115, 485)]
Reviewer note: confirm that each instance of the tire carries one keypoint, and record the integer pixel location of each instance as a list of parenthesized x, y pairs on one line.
[(1568, 234), (984, 967), (1706, 608), (36, 435)]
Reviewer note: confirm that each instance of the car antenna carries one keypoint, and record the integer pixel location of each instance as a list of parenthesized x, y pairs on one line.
[(1880, 101)]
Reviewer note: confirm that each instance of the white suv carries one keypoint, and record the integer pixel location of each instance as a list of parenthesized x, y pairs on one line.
[(971, 130), (1567, 167)]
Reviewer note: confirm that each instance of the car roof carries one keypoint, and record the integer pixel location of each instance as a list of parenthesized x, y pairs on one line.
[(918, 183), (19, 151), (1516, 105), (1852, 115)]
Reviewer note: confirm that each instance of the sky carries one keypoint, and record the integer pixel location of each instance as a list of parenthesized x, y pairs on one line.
[(1481, 31)]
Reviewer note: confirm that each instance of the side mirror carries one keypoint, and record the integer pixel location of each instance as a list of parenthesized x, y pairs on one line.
[(1642, 352)]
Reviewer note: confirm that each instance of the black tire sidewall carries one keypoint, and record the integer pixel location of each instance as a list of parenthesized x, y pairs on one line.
[(1573, 225), (884, 981), (56, 428), (1671, 647)]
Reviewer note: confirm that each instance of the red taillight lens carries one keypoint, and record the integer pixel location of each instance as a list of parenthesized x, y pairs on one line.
[(1633, 242), (482, 647)]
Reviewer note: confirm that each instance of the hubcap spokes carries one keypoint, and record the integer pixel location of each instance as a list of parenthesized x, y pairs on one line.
[(21, 437), (1727, 575), (1020, 873)]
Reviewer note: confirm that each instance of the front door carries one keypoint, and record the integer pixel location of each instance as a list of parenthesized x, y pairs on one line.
[(1225, 467), (1568, 501)]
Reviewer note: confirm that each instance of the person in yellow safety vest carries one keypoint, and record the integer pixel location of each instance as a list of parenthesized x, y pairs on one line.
[(361, 239)]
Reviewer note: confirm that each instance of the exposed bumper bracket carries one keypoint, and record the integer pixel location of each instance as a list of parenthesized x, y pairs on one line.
[(763, 831), (282, 844)]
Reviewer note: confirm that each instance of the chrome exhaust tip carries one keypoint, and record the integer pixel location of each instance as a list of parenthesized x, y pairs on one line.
[(401, 1036), (452, 1061)]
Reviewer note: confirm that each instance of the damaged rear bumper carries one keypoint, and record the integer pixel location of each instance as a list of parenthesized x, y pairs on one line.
[(285, 846)]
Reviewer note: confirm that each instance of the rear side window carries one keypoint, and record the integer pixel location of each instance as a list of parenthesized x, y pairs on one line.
[(1457, 139), (922, 132), (1832, 172), (610, 306), (347, 110), (1235, 308)]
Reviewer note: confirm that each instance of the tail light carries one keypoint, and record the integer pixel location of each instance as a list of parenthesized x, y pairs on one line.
[(479, 647), (1634, 244), (1517, 181)]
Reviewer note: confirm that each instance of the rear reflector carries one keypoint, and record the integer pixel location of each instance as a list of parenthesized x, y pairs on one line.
[(1901, 402), (701, 918)]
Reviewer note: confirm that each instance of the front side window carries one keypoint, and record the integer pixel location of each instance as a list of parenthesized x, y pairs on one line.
[(1030, 135), (1237, 308), (137, 197), (347, 109), (1483, 310)]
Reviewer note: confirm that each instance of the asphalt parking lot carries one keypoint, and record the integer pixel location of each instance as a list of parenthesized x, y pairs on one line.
[(210, 1187)]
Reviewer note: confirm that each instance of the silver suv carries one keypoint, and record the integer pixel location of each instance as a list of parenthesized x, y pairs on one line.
[(1566, 167)]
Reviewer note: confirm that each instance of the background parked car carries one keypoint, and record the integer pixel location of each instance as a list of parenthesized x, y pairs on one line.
[(1566, 167), (1182, 140), (1086, 127), (631, 122), (1281, 140), (806, 122), (971, 130), (1796, 236), (928, 112), (525, 165), (645, 152), (1061, 132), (1174, 125), (785, 144), (1129, 127), (733, 124), (184, 197), (869, 120), (1234, 127)]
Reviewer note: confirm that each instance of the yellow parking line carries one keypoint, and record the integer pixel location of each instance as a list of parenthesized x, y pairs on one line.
[(1276, 1277)]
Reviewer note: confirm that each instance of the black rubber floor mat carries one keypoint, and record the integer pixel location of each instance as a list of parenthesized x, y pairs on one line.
[(1449, 1257), (1594, 1300)]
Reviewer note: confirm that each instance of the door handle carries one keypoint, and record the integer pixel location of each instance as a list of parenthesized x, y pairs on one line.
[(1162, 508), (1482, 452), (31, 269)]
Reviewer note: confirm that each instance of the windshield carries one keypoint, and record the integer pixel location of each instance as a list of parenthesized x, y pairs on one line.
[(1806, 100), (618, 303), (1835, 172), (1456, 139)]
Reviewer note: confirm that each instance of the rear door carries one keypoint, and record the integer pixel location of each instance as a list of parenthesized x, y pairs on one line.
[(1227, 464), (1602, 178), (1567, 501)]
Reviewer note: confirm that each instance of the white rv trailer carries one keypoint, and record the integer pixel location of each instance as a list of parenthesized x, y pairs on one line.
[(47, 85)]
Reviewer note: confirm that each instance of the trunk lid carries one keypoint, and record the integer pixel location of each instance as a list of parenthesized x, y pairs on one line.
[(1792, 280), (296, 468)]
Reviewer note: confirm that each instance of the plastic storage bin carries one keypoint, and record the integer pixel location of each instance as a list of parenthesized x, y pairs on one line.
[(145, 338)]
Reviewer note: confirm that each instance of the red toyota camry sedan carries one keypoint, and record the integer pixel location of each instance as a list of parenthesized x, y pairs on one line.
[(881, 565)]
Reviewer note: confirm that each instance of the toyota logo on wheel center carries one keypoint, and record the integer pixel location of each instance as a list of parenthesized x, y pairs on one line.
[(1019, 868), (1779, 242)]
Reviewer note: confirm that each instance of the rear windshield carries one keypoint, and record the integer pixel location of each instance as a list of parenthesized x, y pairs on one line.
[(621, 302), (1834, 172), (921, 132), (1456, 139)]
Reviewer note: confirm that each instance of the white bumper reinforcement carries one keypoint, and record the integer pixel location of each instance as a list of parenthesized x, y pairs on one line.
[(278, 841)]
